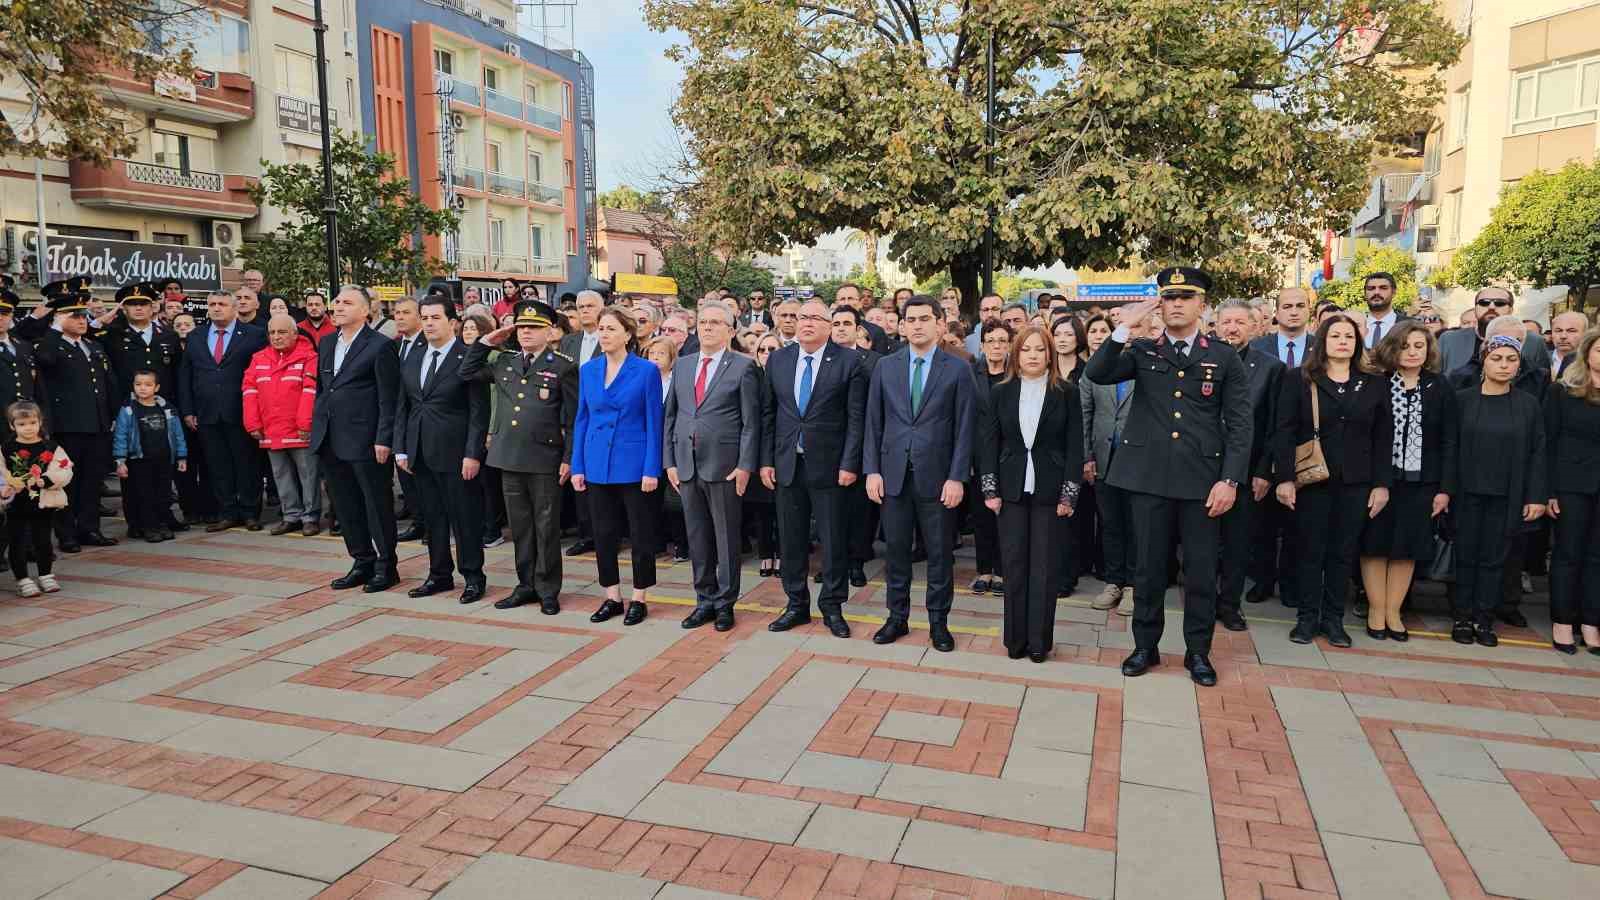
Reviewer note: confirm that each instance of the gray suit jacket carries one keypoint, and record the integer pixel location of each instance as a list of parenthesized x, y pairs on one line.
[(1102, 415), (1458, 345), (710, 440), (936, 442)]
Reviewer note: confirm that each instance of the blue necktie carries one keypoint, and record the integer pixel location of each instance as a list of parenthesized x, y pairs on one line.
[(1123, 387), (803, 398)]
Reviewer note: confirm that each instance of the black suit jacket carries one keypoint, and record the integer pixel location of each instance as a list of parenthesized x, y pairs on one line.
[(443, 422), (129, 353), (19, 380), (831, 427), (1572, 443), (1268, 344), (211, 391), (355, 408), (1439, 426), (1265, 374), (1057, 443), (80, 387), (1357, 427)]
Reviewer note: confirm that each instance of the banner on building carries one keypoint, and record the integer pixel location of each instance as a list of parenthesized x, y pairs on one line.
[(303, 115), (112, 264)]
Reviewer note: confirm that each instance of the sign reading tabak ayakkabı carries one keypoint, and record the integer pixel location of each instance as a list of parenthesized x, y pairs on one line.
[(112, 264)]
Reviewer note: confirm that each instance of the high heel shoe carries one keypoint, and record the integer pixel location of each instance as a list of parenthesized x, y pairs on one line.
[(1400, 636), (1568, 649), (1377, 634)]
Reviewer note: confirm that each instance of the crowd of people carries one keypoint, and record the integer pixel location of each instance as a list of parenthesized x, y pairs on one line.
[(1279, 446)]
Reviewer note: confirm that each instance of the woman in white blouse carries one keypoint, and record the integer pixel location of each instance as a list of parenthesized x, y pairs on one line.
[(1030, 448)]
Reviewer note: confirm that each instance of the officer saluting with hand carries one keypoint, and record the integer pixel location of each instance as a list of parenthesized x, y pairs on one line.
[(1183, 455), (531, 443), (133, 342)]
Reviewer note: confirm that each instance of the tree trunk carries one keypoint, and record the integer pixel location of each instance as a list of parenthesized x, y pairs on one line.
[(1581, 301), (870, 243), (965, 270)]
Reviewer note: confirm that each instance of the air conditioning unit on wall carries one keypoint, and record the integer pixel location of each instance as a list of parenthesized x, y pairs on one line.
[(512, 48), (1428, 216), (229, 238)]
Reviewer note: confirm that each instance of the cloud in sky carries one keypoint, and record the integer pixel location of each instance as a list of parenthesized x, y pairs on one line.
[(635, 85)]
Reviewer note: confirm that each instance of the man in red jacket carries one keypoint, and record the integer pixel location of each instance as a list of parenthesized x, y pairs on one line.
[(317, 324), (280, 389)]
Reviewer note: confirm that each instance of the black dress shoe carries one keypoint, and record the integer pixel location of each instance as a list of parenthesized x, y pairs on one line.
[(521, 596), (940, 637), (980, 585), (431, 586), (1377, 634), (356, 577), (1462, 633), (635, 614), (1256, 595), (71, 548), (858, 576), (382, 581), (1018, 653), (920, 554), (892, 630), (1304, 632), (724, 619), (1141, 661), (1038, 657), (1514, 618), (1568, 649), (580, 548), (1485, 636), (96, 539), (837, 626), (608, 610), (473, 592), (134, 533), (1232, 620), (789, 618), (1400, 636), (700, 616), (1200, 670), (151, 537), (177, 526), (223, 525), (413, 533), (550, 605), (1337, 636)]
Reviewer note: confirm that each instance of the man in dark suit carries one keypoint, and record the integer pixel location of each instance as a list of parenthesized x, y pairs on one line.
[(1566, 333), (580, 346), (439, 430), (18, 370), (408, 337), (921, 416), (813, 409), (712, 432), (212, 401), (1379, 288), (849, 294), (1239, 553), (860, 513), (358, 379), (1185, 453), (1274, 526), (756, 310)]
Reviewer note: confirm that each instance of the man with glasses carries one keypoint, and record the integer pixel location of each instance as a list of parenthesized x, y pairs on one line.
[(675, 328), (1460, 348), (988, 314), (756, 310)]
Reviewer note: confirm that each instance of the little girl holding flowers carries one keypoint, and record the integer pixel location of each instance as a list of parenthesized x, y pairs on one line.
[(37, 470)]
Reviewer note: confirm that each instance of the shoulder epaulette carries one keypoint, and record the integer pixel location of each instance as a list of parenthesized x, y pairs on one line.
[(562, 355)]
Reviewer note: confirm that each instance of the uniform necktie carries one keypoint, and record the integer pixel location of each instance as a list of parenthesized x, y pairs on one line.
[(6, 346), (700, 381), (1290, 362), (1182, 347), (433, 368), (216, 349), (916, 385), (803, 397)]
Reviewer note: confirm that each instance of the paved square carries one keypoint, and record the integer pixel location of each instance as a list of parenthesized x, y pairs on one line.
[(176, 724)]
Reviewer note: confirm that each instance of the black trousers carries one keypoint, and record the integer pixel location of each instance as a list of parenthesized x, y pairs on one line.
[(903, 516), (761, 525), (233, 461), (147, 493), (1482, 544), (1275, 540), (1117, 537), (90, 454), (194, 486), (1575, 562), (1160, 520), (29, 532), (362, 494), (985, 533), (409, 500), (450, 508), (862, 515), (1329, 522), (1238, 549), (797, 505), (1033, 552), (533, 508), (1081, 532), (612, 505), (1511, 572), (493, 503)]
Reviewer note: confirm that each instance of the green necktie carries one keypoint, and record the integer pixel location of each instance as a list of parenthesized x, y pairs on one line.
[(916, 385)]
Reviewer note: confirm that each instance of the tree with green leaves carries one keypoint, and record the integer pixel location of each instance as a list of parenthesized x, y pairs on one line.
[(381, 222), (698, 270), (631, 199), (61, 56), (1349, 292), (1221, 132), (1545, 231)]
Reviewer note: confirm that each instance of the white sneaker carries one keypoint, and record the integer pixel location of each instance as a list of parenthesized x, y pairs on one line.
[(493, 542), (1527, 583), (27, 587), (1111, 596), (48, 584), (1125, 608)]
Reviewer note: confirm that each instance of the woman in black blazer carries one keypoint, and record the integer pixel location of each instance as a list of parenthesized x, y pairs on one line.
[(1357, 434), (1496, 484), (1424, 411), (991, 366), (1030, 448), (1572, 440)]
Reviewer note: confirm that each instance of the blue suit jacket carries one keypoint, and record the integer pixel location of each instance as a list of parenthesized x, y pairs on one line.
[(616, 438), (210, 391), (936, 442)]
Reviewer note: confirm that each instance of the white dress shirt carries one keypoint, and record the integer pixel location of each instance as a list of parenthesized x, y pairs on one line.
[(1388, 321), (341, 347), (711, 370), (427, 360), (1030, 405), (146, 334), (587, 346), (800, 369)]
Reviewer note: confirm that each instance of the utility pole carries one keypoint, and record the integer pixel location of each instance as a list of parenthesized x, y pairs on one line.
[(330, 206), (988, 168)]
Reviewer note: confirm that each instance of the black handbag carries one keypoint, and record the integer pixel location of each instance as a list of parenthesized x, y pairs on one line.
[(1443, 567)]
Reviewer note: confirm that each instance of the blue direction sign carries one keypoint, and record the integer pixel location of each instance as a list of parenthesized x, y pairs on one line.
[(1108, 291)]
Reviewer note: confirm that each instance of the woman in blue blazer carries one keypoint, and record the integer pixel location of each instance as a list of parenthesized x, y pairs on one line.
[(616, 457)]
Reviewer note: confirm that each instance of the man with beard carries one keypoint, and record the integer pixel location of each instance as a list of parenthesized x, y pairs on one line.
[(1459, 347), (1379, 288)]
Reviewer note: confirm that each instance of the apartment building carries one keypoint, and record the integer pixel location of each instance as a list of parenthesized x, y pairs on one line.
[(496, 126), (179, 203)]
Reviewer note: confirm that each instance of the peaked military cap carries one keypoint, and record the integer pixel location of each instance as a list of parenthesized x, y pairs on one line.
[(1183, 279)]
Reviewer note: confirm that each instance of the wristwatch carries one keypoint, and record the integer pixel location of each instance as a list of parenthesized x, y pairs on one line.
[(1231, 483)]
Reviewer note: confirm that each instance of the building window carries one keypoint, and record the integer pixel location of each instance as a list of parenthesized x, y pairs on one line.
[(1452, 219), (1456, 132), (536, 241), (168, 149), (566, 169), (350, 99), (639, 260), (296, 72), (491, 79), (219, 42), (1427, 240), (444, 61), (497, 236), (566, 100), (535, 167), (572, 241), (1555, 96), (164, 237), (530, 93), (494, 156)]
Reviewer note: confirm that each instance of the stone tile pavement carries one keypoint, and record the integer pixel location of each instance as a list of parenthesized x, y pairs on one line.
[(204, 718)]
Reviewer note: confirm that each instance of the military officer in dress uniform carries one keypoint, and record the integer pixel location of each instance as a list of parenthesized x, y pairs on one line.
[(133, 342), (81, 406), (19, 373), (531, 443), (1187, 451)]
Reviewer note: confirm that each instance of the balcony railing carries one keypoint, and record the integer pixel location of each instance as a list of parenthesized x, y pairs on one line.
[(507, 186), (468, 178), (502, 263), (471, 260), (544, 193), (554, 267), (504, 104), (460, 91), (167, 176), (544, 118)]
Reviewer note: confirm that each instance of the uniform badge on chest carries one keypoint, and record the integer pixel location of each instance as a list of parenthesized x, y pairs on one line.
[(1207, 387), (544, 393)]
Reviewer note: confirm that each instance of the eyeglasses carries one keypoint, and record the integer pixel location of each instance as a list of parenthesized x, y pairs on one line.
[(1496, 302), (815, 319)]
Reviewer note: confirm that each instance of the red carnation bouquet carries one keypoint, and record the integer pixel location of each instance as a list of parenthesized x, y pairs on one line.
[(25, 470)]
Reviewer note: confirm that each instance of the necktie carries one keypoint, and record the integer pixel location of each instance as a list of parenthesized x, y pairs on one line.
[(1290, 362), (216, 348), (7, 348), (433, 368), (916, 385), (803, 397), (1377, 332), (1182, 347), (1123, 387), (700, 381)]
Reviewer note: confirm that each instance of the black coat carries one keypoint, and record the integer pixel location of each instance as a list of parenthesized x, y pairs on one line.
[(1057, 443), (1525, 453), (1357, 427), (129, 353), (1440, 428), (1265, 376), (443, 422), (1572, 443), (355, 409), (19, 380), (80, 387), (210, 391), (832, 425)]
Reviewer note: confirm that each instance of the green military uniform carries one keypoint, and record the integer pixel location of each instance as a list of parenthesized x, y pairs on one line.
[(530, 443)]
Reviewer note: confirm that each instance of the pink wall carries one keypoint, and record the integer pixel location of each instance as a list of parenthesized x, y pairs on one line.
[(616, 254)]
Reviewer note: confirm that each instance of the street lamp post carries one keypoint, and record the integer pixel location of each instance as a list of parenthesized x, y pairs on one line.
[(988, 168), (330, 206)]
